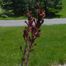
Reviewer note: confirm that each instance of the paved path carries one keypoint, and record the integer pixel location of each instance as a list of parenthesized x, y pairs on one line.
[(21, 22)]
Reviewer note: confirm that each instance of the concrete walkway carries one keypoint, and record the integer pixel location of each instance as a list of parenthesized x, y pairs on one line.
[(7, 23)]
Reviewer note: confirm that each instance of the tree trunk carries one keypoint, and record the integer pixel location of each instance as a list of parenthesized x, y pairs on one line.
[(26, 54)]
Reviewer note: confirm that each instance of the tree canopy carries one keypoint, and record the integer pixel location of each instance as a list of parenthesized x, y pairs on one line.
[(19, 7)]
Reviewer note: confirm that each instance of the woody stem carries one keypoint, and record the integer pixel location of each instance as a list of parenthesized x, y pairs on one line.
[(26, 54)]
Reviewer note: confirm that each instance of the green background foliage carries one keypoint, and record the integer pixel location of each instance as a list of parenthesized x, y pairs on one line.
[(19, 7)]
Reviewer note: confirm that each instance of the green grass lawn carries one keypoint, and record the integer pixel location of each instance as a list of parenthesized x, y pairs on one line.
[(13, 18), (50, 48)]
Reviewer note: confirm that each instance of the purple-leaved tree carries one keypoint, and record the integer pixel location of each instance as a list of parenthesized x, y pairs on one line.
[(32, 32)]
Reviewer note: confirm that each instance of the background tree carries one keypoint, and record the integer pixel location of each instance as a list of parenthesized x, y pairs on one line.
[(18, 7), (1, 9), (52, 7), (15, 7)]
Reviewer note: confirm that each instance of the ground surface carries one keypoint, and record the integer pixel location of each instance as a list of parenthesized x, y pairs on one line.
[(50, 48), (22, 22), (12, 18)]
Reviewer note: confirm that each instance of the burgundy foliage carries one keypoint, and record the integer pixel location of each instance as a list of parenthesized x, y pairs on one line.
[(32, 32)]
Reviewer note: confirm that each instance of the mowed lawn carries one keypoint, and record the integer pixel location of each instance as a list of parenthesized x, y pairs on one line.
[(50, 48)]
